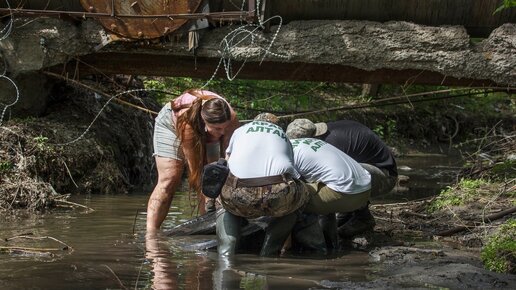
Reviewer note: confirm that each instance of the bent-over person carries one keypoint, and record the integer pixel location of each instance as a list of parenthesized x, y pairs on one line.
[(364, 146), (262, 182), (193, 129), (339, 183)]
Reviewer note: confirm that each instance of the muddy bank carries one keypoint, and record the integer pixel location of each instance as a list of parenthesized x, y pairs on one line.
[(79, 146), (428, 268)]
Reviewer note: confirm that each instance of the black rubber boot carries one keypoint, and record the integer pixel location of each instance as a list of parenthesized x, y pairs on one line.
[(343, 217), (361, 221), (277, 233), (328, 224), (307, 235), (228, 232)]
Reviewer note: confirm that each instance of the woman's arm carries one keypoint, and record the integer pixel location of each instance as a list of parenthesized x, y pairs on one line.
[(188, 146)]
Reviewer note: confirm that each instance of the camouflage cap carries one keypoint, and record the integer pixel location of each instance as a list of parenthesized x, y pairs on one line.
[(267, 117), (304, 128)]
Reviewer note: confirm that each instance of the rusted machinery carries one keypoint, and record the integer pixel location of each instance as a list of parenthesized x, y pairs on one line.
[(141, 27), (132, 19)]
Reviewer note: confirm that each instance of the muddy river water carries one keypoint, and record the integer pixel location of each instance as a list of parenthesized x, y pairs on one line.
[(106, 248)]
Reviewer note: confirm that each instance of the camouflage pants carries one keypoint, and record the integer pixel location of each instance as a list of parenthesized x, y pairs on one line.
[(271, 200)]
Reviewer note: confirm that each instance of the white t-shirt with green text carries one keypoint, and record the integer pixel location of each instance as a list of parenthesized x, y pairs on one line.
[(318, 161), (260, 149)]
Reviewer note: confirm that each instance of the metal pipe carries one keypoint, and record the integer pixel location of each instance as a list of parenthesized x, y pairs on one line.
[(233, 15)]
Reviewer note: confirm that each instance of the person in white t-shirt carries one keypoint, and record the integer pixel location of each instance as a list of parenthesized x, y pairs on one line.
[(263, 181), (337, 182), (341, 183)]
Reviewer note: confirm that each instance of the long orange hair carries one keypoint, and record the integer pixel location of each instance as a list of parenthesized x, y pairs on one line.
[(191, 124)]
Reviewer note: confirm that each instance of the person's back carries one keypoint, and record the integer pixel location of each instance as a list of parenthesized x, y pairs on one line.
[(338, 183), (260, 149), (319, 161), (365, 147), (262, 181), (360, 143)]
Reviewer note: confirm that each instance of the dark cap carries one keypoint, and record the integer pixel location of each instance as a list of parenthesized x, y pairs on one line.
[(304, 128)]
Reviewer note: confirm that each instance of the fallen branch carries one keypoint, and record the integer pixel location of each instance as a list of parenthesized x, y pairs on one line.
[(415, 201), (36, 252), (24, 249), (75, 204), (437, 252), (67, 247), (489, 218)]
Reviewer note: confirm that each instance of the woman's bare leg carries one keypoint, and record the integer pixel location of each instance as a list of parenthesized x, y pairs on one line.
[(170, 172)]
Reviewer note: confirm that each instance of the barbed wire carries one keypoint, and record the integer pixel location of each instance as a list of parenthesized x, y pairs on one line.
[(98, 115), (236, 37), (7, 29), (17, 91)]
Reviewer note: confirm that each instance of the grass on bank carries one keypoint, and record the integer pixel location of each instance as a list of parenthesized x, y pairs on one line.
[(499, 252), (465, 191)]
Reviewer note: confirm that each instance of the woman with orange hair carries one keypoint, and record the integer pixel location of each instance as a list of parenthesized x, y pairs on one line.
[(193, 129)]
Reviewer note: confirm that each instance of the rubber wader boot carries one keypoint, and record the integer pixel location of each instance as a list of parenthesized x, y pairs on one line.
[(307, 235), (328, 224), (276, 233), (361, 221), (343, 217), (228, 232)]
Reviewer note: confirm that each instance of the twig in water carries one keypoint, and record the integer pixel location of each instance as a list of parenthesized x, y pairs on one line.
[(135, 217), (75, 204), (119, 282), (67, 247), (138, 277), (24, 249)]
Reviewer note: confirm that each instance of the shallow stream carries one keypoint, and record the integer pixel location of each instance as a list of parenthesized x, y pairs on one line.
[(106, 248)]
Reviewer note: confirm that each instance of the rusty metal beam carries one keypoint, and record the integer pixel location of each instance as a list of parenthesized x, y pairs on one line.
[(230, 15), (181, 66)]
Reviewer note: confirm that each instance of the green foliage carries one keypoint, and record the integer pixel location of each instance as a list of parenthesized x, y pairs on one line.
[(504, 170), (499, 253), (419, 118), (155, 84), (464, 191), (41, 142), (386, 131), (253, 282), (505, 5), (6, 166), (251, 97)]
